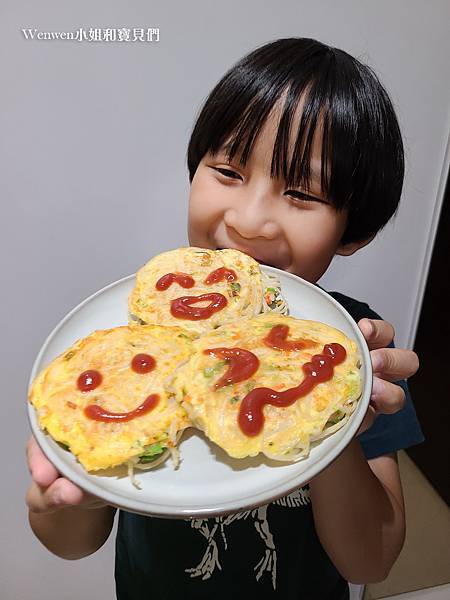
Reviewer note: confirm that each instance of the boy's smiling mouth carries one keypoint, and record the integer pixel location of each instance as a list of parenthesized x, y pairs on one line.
[(265, 251)]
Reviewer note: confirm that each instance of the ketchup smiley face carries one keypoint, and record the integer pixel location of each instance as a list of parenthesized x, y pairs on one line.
[(141, 364), (187, 307)]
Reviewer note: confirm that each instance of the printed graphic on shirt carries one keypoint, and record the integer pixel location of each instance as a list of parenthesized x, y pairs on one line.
[(211, 529)]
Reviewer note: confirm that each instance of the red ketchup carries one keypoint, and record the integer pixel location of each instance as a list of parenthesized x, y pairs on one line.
[(143, 363), (242, 364), (182, 308), (320, 369), (97, 413), (89, 380), (276, 338), (220, 275), (182, 279)]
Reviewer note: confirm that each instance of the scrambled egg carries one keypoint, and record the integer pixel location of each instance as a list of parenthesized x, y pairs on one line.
[(244, 294), (60, 403), (287, 431)]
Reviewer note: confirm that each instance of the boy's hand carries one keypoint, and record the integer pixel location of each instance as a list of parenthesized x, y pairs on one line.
[(389, 364), (49, 491)]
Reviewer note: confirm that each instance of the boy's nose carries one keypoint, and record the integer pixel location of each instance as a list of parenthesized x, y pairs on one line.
[(252, 219)]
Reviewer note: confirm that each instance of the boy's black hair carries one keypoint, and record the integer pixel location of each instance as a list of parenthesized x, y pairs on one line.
[(362, 149)]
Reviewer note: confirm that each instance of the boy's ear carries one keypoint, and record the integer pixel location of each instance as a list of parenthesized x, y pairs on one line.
[(352, 247)]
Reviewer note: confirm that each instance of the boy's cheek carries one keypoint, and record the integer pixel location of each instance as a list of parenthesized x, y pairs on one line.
[(197, 228), (204, 210)]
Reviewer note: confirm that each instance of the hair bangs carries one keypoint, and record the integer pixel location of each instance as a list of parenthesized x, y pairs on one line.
[(296, 170)]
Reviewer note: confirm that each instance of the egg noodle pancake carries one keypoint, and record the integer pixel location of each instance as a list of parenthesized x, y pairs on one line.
[(106, 398), (201, 289), (270, 384), (210, 345)]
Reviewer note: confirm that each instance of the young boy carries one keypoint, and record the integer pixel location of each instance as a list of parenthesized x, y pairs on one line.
[(296, 156)]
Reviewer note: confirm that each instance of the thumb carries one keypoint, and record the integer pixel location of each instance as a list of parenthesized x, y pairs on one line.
[(59, 494), (41, 469)]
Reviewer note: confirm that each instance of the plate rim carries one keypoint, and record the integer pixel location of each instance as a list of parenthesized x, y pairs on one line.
[(156, 509)]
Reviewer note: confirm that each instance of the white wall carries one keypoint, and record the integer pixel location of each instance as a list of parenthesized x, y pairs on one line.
[(93, 142)]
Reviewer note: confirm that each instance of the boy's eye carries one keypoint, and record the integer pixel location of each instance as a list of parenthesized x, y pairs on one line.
[(228, 173), (304, 197)]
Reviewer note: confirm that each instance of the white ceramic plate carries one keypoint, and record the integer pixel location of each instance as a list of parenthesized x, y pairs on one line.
[(208, 482)]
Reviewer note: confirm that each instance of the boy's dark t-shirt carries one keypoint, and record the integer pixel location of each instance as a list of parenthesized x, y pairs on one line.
[(269, 552)]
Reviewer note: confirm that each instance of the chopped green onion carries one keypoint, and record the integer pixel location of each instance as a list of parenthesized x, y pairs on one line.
[(235, 288), (211, 371)]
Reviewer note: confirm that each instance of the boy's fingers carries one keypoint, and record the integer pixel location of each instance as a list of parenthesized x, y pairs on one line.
[(378, 333), (41, 469), (387, 398), (393, 364)]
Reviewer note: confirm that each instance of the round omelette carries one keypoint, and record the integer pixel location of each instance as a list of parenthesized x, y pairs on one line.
[(106, 398), (270, 384), (201, 289)]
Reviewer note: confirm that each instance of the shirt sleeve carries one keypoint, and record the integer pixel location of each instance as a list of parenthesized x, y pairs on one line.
[(390, 433)]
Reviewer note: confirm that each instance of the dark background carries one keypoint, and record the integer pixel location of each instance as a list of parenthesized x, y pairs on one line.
[(429, 387)]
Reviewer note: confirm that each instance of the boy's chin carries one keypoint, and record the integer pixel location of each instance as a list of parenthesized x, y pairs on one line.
[(266, 264)]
